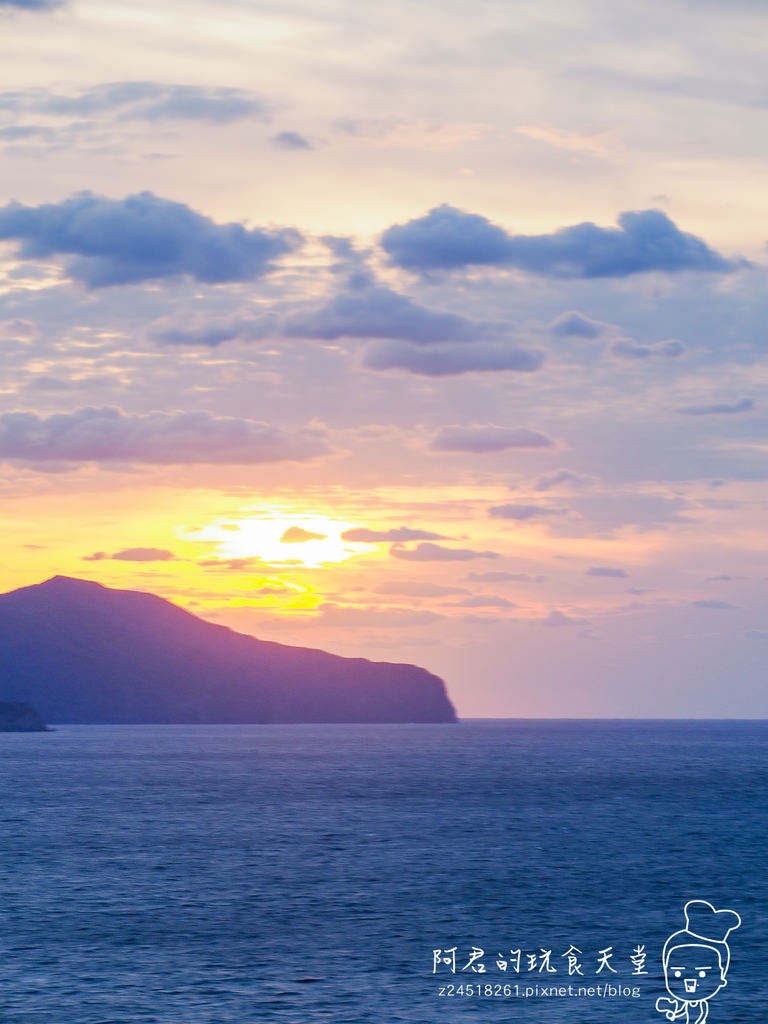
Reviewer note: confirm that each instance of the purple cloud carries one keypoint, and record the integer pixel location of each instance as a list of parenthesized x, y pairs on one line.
[(32, 5), (290, 140), (483, 601), (147, 101), (141, 238), (133, 555), (627, 348), (488, 439), (372, 311), (435, 553), (557, 618), (450, 361), (562, 476), (500, 576), (574, 324), (362, 535), (722, 409), (524, 512), (414, 588), (447, 238), (109, 435)]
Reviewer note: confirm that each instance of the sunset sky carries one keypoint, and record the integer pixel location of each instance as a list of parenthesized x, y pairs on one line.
[(427, 331)]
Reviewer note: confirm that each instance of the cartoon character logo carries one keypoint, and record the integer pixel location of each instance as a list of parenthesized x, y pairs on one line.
[(696, 962)]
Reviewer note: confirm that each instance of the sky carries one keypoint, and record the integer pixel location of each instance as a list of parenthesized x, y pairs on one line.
[(430, 332)]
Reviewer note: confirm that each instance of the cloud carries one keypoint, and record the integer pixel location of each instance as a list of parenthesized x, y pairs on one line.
[(713, 604), (18, 132), (134, 555), (418, 589), (213, 333), (488, 439), (607, 570), (50, 382), (368, 311), (362, 535), (435, 553), (500, 576), (141, 238), (146, 101), (562, 476), (449, 361), (483, 601), (32, 5), (590, 141), (371, 311), (235, 564), (17, 330), (557, 618), (447, 238), (524, 512), (627, 348), (290, 140), (377, 618), (422, 135), (271, 590), (109, 435), (756, 634), (723, 409), (295, 535), (605, 511), (573, 324)]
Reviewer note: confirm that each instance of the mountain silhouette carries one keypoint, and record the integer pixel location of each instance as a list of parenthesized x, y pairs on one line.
[(18, 717), (81, 652)]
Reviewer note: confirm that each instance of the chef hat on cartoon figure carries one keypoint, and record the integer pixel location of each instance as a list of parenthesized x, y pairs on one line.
[(705, 926)]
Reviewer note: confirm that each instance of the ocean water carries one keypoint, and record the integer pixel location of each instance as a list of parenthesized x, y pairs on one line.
[(306, 873)]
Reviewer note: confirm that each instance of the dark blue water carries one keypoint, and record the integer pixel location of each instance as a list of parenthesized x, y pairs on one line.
[(202, 875)]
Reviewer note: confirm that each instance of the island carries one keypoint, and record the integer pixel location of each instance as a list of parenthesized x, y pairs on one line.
[(84, 653), (16, 716)]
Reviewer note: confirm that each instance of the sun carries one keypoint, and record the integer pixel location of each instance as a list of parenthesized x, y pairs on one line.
[(280, 536)]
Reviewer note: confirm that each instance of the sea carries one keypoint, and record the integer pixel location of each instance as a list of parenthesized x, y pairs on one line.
[(489, 870)]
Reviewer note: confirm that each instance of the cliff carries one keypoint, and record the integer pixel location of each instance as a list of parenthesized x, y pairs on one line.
[(85, 653)]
